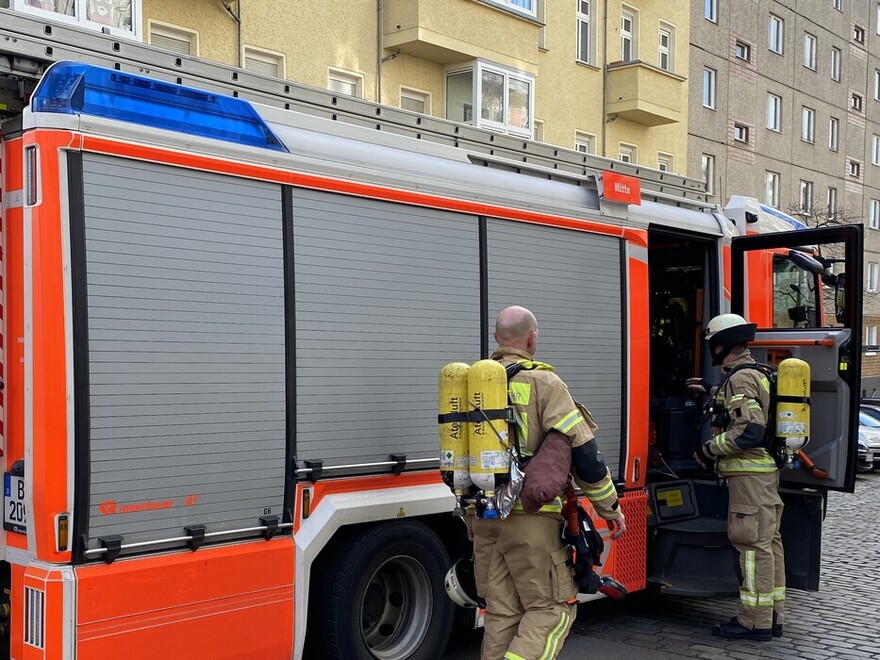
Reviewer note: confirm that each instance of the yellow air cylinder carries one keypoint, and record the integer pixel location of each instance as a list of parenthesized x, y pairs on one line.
[(793, 404), (454, 464), (489, 460)]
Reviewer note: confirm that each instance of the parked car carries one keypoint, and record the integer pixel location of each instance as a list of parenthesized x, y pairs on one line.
[(866, 457), (869, 433)]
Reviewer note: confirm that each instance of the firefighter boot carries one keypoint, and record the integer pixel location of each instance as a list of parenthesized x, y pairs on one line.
[(733, 629)]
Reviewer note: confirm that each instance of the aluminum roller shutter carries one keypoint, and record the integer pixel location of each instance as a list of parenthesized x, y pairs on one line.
[(186, 351), (386, 294), (571, 281)]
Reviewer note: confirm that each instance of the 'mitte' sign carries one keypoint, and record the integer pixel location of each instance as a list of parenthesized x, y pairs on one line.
[(621, 188)]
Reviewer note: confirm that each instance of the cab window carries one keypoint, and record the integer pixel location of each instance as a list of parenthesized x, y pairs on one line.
[(796, 295)]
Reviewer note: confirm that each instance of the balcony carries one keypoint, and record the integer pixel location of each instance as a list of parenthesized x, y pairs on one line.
[(455, 31), (644, 94)]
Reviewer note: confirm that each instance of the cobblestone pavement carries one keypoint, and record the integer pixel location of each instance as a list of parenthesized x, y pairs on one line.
[(840, 621)]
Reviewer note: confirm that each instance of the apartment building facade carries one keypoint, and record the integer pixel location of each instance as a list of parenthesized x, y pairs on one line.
[(785, 106)]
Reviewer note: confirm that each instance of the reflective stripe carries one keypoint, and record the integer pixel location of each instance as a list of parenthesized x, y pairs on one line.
[(748, 599), (765, 384), (519, 393), (765, 600), (569, 421), (754, 465), (534, 364), (779, 594), (754, 405), (737, 397), (553, 507), (556, 634), (748, 562), (512, 656), (598, 494)]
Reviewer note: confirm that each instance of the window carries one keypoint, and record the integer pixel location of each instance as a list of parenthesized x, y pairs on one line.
[(585, 142), (771, 189), (415, 100), (837, 4), (740, 133), (874, 214), (877, 84), (708, 165), (175, 39), (776, 34), (264, 61), (831, 207), (118, 17), (808, 124), (743, 51), (709, 88), (870, 335), (875, 150), (664, 162), (710, 10), (833, 133), (877, 20), (344, 82), (858, 34), (810, 51), (806, 201), (835, 64), (504, 98), (524, 6), (666, 45), (539, 130), (873, 274), (774, 112), (627, 153), (584, 32), (854, 168), (796, 301), (855, 102), (628, 35)]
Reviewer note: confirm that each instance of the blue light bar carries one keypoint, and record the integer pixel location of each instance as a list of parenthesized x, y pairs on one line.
[(794, 222), (72, 88)]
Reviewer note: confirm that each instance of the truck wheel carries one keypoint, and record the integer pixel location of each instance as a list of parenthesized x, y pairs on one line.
[(381, 596)]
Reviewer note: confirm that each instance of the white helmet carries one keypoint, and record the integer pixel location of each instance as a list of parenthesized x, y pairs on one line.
[(728, 330), (461, 585)]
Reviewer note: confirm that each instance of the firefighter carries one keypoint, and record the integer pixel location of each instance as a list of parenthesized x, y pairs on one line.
[(521, 564), (738, 452)]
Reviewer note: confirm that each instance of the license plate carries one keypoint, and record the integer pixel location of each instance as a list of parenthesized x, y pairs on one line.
[(14, 514)]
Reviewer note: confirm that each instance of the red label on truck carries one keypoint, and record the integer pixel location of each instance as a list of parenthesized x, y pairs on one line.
[(621, 188)]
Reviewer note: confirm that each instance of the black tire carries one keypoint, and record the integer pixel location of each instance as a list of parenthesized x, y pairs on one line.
[(381, 596)]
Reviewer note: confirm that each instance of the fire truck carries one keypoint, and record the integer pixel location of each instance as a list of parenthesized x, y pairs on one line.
[(226, 300)]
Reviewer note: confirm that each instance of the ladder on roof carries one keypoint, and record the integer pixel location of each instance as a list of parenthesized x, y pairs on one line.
[(28, 45)]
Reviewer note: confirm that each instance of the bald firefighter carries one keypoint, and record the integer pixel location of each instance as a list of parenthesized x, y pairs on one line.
[(738, 450), (520, 562)]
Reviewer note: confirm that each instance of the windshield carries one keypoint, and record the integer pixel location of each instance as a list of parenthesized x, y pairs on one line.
[(866, 420)]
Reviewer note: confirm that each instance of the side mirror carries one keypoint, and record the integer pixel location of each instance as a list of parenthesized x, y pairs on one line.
[(806, 262), (840, 298)]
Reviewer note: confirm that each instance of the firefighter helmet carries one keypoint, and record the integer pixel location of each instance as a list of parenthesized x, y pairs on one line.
[(727, 331), (461, 585)]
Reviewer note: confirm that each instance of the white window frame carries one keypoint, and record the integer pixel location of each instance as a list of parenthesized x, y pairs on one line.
[(835, 64), (877, 84), (806, 196), (856, 102), (742, 51), (264, 55), (874, 214), (774, 112), (175, 32), (629, 38), (539, 130), (477, 68), (771, 189), (666, 54), (833, 133), (831, 203), (710, 10), (776, 34), (628, 153), (875, 149), (665, 161), (870, 335), (342, 77), (707, 165), (740, 133), (709, 78), (808, 124), (858, 34), (586, 53), (80, 8), (416, 95), (853, 168), (837, 4), (584, 143), (527, 7), (873, 282), (877, 19), (810, 44)]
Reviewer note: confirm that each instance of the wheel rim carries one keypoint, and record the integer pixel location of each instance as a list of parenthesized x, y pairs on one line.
[(396, 609)]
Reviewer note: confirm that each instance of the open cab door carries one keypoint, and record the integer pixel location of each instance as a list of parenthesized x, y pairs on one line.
[(816, 281)]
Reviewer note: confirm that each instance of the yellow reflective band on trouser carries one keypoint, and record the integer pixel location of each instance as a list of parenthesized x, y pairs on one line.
[(765, 600), (555, 635), (599, 494), (568, 422), (778, 594), (519, 393), (513, 656), (765, 464), (748, 569)]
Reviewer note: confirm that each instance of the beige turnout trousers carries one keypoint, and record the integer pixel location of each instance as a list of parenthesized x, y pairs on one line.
[(754, 517), (521, 571)]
